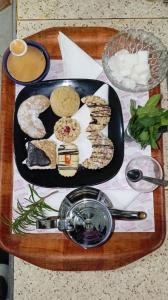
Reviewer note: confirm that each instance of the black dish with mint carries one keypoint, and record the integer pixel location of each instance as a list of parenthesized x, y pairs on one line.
[(147, 122)]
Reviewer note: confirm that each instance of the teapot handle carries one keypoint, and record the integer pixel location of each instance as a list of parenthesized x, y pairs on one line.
[(127, 215)]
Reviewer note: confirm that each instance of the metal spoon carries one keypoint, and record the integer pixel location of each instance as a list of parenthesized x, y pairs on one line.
[(136, 175)]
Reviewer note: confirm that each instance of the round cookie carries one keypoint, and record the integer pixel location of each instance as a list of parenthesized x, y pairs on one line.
[(66, 130), (65, 101)]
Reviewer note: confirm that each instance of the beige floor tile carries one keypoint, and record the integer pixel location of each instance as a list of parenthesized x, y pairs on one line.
[(73, 9)]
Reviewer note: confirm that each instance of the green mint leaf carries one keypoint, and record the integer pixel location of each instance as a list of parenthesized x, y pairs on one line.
[(144, 137), (153, 100), (132, 107), (149, 112)]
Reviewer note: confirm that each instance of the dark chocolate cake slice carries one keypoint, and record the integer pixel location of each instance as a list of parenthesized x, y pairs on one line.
[(36, 157), (41, 154)]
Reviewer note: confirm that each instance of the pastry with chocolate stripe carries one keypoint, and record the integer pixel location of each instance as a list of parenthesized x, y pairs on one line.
[(68, 160), (102, 152), (100, 113)]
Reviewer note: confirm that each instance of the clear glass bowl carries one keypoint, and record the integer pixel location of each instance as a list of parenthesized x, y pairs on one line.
[(150, 167), (135, 40)]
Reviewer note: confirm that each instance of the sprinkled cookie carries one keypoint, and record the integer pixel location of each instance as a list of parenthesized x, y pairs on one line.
[(100, 113), (66, 129), (68, 160), (102, 152), (41, 154), (65, 101)]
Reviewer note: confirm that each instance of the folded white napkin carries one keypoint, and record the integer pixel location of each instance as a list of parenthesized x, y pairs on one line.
[(121, 199), (77, 63)]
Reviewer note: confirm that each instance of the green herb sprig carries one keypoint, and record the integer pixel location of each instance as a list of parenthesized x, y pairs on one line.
[(28, 215), (146, 121)]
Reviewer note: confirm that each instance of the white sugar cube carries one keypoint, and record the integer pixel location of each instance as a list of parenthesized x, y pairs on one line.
[(130, 68), (143, 56), (114, 64), (121, 52), (143, 78), (141, 69), (128, 83)]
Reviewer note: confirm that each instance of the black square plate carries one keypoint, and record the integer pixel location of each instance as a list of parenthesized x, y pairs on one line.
[(51, 178)]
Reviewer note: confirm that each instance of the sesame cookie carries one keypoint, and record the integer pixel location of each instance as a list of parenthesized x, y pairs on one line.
[(65, 101)]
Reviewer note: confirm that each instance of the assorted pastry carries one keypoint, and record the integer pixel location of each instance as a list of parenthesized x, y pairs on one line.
[(67, 129), (100, 113), (68, 160), (41, 154), (102, 152), (48, 154), (65, 101), (28, 116)]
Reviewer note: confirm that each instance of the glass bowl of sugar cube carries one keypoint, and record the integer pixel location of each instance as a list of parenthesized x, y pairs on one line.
[(135, 60)]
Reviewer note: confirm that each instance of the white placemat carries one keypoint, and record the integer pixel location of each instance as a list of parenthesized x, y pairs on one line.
[(122, 196)]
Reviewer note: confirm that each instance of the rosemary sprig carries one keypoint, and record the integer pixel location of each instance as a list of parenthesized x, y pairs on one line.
[(28, 215)]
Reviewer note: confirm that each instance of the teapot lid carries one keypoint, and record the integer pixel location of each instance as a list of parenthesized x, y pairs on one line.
[(91, 222)]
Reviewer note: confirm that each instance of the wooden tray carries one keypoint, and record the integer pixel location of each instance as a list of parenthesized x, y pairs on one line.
[(55, 251)]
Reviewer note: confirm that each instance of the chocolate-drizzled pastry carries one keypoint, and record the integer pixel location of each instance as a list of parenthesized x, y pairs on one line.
[(102, 152), (100, 113), (41, 154), (68, 159)]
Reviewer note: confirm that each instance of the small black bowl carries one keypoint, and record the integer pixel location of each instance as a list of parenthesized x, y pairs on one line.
[(45, 72)]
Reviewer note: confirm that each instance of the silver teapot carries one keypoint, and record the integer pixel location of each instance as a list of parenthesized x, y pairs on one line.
[(87, 217)]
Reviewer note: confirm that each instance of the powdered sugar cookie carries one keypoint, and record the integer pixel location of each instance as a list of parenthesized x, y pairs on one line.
[(28, 115)]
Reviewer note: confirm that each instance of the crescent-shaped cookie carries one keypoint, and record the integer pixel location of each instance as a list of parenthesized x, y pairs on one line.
[(28, 115), (102, 152)]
